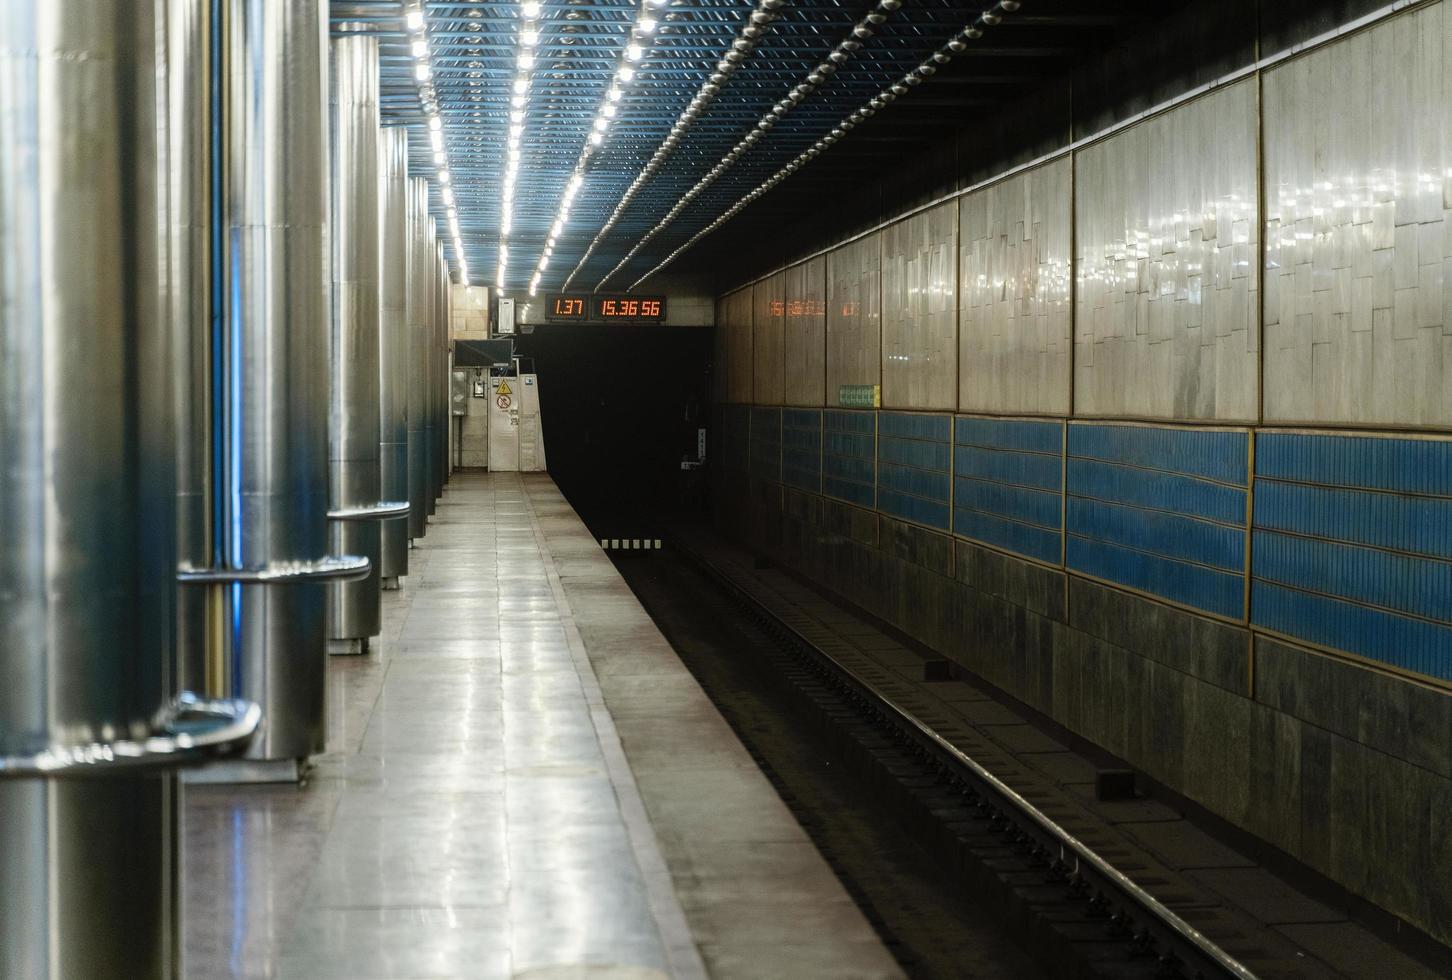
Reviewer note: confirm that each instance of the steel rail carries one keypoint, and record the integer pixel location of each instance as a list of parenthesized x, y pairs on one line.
[(1190, 944)]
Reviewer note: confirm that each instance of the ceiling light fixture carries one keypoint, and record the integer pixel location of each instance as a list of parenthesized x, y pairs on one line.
[(954, 45), (633, 51)]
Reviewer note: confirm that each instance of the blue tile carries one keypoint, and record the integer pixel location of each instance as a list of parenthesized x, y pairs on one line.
[(849, 468), (1193, 585), (1166, 535), (912, 452), (1041, 507), (1403, 465), (1019, 469), (1157, 490), (860, 494), (920, 483), (801, 477), (801, 418), (915, 425), (1422, 525), (1213, 454), (910, 508), (766, 443), (1401, 641), (1414, 585), (1013, 434), (849, 444), (1023, 539), (861, 422)]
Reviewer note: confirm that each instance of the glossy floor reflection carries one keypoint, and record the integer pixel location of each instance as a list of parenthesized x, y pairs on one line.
[(476, 813)]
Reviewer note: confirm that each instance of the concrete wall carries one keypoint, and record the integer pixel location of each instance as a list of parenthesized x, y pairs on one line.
[(1209, 530)]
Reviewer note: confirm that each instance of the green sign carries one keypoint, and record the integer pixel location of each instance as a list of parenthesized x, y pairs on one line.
[(859, 396)]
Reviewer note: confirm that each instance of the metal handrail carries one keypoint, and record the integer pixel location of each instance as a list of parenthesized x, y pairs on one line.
[(334, 568), (189, 731), (1177, 927), (382, 511)]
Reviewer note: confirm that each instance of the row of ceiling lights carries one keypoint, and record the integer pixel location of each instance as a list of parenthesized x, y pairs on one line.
[(519, 92), (741, 48), (632, 55), (428, 96), (955, 45), (844, 52)]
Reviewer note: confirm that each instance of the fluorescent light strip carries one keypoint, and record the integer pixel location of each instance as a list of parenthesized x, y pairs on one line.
[(844, 52), (955, 45), (416, 22), (632, 54), (736, 52), (527, 43)]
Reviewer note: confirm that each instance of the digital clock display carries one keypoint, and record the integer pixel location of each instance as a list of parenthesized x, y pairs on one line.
[(564, 307), (628, 309)]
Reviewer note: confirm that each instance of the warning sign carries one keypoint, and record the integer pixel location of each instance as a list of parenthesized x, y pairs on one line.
[(504, 389), (502, 401)]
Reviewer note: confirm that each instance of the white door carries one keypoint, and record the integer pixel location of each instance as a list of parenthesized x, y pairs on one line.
[(504, 404)]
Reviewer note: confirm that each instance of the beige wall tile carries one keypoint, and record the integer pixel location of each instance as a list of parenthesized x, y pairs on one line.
[(1015, 324), (804, 288), (1165, 320), (1358, 183), (854, 315), (920, 310)]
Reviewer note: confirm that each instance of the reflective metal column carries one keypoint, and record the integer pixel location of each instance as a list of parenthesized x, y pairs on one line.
[(354, 610), (418, 200), (393, 348), (272, 425), (429, 262), (89, 714), (189, 75), (441, 356)]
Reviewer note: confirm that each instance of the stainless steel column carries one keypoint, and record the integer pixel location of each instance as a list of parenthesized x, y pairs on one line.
[(88, 503), (418, 200), (273, 426), (190, 161), (445, 422), (430, 362), (393, 348), (354, 610)]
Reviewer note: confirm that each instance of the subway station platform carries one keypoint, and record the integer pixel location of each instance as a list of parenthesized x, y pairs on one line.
[(521, 779)]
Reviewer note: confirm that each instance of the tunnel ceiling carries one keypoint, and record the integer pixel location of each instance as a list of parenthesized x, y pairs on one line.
[(641, 198)]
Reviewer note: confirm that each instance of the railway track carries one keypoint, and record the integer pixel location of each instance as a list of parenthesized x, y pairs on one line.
[(1080, 914)]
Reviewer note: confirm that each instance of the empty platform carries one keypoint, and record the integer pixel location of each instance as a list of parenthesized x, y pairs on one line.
[(521, 780)]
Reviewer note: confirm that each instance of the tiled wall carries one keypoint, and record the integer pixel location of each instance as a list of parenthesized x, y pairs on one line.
[(854, 316), (919, 315), (1008, 481), (801, 448), (1358, 185), (766, 443), (914, 467), (768, 352), (1160, 510), (805, 343), (849, 456), (1013, 314), (1166, 228), (1148, 383), (1353, 545)]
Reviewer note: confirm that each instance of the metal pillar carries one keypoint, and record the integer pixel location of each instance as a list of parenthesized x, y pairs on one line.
[(354, 610), (429, 262), (89, 710), (271, 383), (442, 341), (393, 373), (417, 344)]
